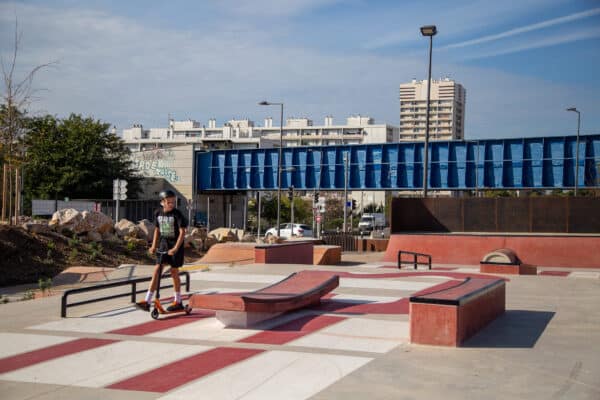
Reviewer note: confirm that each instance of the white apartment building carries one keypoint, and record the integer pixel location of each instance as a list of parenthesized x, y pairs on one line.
[(446, 114), (243, 133)]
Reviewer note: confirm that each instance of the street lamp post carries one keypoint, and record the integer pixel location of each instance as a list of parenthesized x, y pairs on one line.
[(429, 30), (266, 103), (577, 147)]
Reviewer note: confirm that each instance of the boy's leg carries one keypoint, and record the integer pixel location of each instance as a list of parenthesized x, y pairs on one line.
[(176, 306), (145, 304)]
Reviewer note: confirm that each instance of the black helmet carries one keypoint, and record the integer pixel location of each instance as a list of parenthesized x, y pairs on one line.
[(166, 193)]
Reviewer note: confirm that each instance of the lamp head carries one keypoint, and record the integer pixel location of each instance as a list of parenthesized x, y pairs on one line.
[(428, 30), (572, 109), (264, 103)]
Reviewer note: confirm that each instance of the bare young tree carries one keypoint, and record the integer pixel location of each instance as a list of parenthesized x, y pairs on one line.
[(17, 95)]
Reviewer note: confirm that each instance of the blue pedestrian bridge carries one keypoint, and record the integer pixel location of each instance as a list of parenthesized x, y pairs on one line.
[(536, 162)]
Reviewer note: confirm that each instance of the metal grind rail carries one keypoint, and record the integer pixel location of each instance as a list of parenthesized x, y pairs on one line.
[(134, 291), (415, 260)]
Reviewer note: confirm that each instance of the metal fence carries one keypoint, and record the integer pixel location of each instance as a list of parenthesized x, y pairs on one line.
[(504, 214), (346, 241)]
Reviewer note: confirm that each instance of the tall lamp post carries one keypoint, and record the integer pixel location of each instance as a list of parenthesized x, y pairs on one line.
[(428, 30), (266, 103), (577, 147)]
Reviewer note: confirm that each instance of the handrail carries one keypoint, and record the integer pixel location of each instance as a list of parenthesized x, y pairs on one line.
[(415, 259), (134, 291)]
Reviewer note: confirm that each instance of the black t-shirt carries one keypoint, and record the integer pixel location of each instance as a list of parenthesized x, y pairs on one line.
[(168, 224)]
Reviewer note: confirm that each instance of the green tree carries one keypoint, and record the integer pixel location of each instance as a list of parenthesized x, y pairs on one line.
[(75, 157)]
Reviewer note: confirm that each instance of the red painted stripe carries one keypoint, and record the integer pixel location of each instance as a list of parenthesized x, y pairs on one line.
[(166, 322), (555, 273), (183, 371), (292, 330), (48, 353), (400, 306)]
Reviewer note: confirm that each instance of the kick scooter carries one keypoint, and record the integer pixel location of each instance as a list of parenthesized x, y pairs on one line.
[(158, 308)]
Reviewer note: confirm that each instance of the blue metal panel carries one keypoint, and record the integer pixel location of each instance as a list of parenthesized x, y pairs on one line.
[(547, 162), (388, 174), (533, 159)]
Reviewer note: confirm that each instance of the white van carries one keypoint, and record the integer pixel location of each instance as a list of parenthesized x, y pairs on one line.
[(371, 221)]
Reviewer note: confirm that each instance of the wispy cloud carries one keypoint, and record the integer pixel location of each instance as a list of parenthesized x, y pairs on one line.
[(126, 70), (271, 8), (527, 28), (540, 43)]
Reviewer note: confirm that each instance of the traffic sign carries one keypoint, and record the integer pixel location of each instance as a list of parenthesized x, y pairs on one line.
[(318, 219)]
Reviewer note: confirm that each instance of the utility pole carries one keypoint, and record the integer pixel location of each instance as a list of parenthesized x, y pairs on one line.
[(345, 191)]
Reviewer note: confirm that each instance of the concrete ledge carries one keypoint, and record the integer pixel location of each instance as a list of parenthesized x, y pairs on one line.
[(327, 255), (284, 253), (450, 316), (298, 290), (570, 251), (368, 244), (509, 269)]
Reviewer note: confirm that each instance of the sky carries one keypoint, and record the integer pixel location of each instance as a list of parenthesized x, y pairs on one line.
[(141, 62)]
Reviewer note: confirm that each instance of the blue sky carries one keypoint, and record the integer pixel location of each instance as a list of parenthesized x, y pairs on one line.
[(127, 62)]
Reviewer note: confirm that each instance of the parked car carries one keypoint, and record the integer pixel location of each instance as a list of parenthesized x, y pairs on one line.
[(300, 230)]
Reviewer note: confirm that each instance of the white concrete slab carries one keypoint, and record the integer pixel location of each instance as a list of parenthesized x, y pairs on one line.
[(358, 334), (16, 343), (104, 365), (359, 298), (246, 278), (584, 274), (98, 323), (383, 284), (272, 375), (368, 283), (205, 329)]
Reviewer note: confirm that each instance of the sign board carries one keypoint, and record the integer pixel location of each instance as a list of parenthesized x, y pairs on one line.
[(318, 219), (348, 204)]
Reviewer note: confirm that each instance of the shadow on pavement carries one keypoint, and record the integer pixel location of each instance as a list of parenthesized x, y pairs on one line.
[(514, 329)]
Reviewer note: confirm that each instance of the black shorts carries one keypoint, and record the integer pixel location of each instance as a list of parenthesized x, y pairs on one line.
[(175, 261)]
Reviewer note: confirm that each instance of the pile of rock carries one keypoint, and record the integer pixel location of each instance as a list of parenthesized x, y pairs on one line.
[(93, 226)]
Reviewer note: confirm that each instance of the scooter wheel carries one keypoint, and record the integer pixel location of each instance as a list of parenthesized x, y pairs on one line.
[(154, 313)]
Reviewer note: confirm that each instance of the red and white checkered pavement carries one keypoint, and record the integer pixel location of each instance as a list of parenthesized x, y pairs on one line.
[(293, 356)]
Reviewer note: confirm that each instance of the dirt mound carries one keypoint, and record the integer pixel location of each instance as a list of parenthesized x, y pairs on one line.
[(26, 257)]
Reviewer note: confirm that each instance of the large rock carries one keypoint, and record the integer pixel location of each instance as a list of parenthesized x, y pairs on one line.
[(94, 236), (209, 242), (36, 227), (94, 221), (110, 237), (146, 229), (227, 234), (65, 219), (272, 239), (249, 238), (126, 228), (199, 233)]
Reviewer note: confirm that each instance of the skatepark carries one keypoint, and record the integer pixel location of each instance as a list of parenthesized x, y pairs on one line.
[(354, 344)]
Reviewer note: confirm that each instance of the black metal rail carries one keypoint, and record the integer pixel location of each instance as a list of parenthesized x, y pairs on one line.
[(415, 260), (133, 282)]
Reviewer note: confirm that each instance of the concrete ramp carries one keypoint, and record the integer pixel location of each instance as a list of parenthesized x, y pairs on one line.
[(240, 253), (327, 255)]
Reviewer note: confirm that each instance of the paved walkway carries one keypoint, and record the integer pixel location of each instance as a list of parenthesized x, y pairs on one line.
[(353, 346)]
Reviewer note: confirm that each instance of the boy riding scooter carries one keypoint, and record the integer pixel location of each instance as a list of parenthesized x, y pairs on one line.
[(168, 237)]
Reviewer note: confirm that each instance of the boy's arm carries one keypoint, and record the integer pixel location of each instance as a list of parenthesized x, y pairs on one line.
[(179, 241), (152, 248)]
